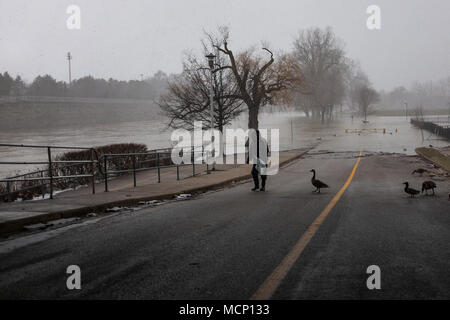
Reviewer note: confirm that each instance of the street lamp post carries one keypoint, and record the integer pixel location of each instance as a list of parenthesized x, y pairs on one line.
[(211, 58), (69, 57)]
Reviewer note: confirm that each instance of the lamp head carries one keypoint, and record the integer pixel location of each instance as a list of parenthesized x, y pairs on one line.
[(210, 58)]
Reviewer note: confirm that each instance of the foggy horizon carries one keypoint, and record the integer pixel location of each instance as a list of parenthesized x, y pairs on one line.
[(123, 40)]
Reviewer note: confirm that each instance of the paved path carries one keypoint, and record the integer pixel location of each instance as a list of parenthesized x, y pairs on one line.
[(225, 244)]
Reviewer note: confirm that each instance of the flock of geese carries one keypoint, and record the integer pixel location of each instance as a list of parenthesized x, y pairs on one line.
[(426, 185)]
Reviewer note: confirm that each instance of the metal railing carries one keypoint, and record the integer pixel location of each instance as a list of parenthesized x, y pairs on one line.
[(159, 158), (441, 120), (103, 167), (51, 164), (437, 129)]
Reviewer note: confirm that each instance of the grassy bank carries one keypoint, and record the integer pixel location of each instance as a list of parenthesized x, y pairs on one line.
[(435, 156)]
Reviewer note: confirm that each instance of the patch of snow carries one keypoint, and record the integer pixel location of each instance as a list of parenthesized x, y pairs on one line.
[(183, 196)]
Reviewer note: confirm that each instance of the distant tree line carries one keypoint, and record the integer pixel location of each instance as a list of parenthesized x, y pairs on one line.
[(85, 87), (420, 95)]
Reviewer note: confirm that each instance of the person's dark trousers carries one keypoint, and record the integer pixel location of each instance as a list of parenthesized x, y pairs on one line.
[(256, 179), (255, 176), (263, 181)]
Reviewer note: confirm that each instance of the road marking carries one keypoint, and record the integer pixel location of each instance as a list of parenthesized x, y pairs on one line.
[(267, 289)]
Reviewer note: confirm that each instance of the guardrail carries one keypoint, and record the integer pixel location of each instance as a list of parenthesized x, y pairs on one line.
[(161, 159), (100, 167), (440, 130), (50, 163), (441, 120)]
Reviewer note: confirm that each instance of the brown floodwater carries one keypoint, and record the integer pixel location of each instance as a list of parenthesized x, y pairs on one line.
[(296, 131)]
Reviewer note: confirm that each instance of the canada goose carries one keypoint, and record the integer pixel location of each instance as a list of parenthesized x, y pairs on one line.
[(317, 183), (427, 185), (412, 192), (420, 170)]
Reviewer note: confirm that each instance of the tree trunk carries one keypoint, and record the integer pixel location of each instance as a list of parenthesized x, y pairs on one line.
[(253, 117), (316, 114), (307, 113)]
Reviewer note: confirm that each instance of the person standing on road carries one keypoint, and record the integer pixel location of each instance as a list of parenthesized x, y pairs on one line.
[(258, 152)]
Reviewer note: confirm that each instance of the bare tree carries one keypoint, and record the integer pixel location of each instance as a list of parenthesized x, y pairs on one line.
[(260, 80), (355, 80), (320, 56), (367, 96), (188, 96)]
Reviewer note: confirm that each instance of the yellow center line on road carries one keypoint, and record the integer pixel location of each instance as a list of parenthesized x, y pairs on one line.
[(268, 288)]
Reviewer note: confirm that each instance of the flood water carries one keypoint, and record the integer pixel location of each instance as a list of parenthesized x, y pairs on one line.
[(296, 131)]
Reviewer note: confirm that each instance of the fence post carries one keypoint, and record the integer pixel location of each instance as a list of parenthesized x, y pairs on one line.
[(193, 162), (50, 171), (105, 163), (178, 172), (159, 169), (93, 171), (134, 170), (42, 185), (8, 190), (203, 157)]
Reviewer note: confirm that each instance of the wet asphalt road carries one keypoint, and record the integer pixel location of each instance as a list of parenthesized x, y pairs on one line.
[(223, 245)]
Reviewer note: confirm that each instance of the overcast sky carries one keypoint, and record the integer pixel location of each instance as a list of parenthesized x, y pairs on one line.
[(122, 39)]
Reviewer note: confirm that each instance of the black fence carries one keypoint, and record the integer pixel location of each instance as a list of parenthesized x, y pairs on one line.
[(95, 168), (438, 129), (153, 160), (46, 178)]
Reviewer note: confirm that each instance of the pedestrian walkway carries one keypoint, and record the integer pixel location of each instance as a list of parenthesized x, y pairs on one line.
[(121, 192)]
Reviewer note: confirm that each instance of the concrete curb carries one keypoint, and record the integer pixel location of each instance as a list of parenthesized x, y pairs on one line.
[(13, 226)]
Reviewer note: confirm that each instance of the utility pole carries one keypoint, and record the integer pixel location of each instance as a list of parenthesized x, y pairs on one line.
[(292, 136), (69, 57)]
